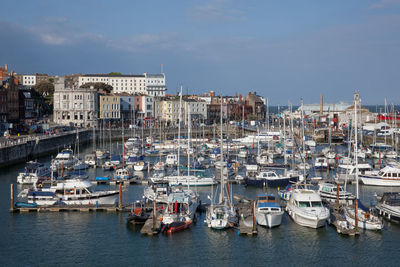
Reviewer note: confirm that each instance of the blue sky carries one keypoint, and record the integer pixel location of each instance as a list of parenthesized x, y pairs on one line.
[(283, 50)]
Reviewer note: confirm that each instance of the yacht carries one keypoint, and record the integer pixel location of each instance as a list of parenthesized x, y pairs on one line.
[(172, 160), (388, 176), (123, 174), (271, 179), (321, 163), (140, 166), (306, 209), (328, 191), (366, 220), (70, 192), (389, 206), (157, 191), (268, 212), (64, 159), (348, 171), (220, 217), (32, 172), (187, 180)]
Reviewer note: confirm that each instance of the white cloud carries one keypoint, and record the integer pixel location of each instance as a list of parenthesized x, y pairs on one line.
[(216, 10), (384, 3)]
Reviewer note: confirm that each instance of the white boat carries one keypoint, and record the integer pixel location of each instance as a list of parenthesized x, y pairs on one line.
[(328, 191), (187, 180), (220, 217), (90, 160), (268, 212), (172, 159), (389, 206), (157, 191), (64, 159), (388, 176), (391, 154), (123, 174), (32, 172), (159, 166), (80, 165), (306, 209), (70, 192), (321, 163), (366, 220), (243, 153), (310, 143), (348, 171), (140, 166)]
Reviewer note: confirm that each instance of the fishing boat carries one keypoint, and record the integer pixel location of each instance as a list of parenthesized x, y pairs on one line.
[(321, 163), (123, 174), (306, 209), (268, 212), (328, 191), (70, 192), (32, 172)]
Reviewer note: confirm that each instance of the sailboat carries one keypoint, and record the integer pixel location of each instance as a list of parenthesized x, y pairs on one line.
[(80, 164), (358, 215), (221, 215)]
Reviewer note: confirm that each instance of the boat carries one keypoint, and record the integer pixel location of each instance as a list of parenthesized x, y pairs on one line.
[(73, 191), (171, 160), (64, 159), (90, 160), (123, 174), (388, 176), (270, 179), (389, 206), (180, 212), (159, 166), (32, 172), (328, 191), (80, 165), (366, 220), (268, 212), (138, 214), (108, 166), (306, 209), (115, 159), (347, 171), (157, 191), (140, 166), (321, 163)]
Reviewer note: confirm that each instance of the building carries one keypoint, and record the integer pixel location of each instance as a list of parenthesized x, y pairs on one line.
[(29, 80), (257, 106), (145, 84), (198, 110), (77, 106), (127, 107), (110, 107)]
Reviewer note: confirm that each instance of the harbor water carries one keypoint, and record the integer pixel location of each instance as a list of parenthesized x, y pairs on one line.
[(104, 239)]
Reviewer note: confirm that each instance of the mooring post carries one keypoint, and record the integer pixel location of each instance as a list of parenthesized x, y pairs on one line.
[(254, 216), (12, 197), (154, 215), (120, 196), (337, 196)]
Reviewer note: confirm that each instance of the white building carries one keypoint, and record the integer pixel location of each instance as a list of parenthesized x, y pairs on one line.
[(148, 84), (78, 106), (198, 110), (29, 80), (148, 106)]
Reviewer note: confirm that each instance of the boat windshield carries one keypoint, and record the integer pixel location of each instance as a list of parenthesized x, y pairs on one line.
[(303, 204), (316, 204)]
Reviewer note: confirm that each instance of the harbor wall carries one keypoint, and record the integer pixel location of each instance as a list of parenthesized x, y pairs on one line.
[(40, 146)]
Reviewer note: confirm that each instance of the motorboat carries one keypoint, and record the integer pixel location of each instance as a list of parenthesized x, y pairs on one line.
[(90, 160), (140, 166), (328, 191), (73, 191), (271, 179), (179, 213), (321, 163), (32, 172), (188, 179), (268, 212), (138, 214), (157, 191), (123, 174), (64, 159), (171, 160), (388, 176), (348, 171), (306, 209), (389, 206)]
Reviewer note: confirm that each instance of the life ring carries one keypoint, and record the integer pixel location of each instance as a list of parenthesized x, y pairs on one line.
[(40, 185)]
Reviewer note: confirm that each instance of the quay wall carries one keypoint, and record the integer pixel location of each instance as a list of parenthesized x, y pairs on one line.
[(39, 146), (27, 148)]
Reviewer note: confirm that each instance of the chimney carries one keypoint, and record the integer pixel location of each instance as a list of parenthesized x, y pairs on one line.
[(255, 93), (321, 105), (6, 67), (240, 97)]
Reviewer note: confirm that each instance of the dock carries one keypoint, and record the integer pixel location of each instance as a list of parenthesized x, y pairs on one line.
[(69, 208), (151, 226), (247, 222)]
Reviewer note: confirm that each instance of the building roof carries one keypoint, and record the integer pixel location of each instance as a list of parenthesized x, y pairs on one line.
[(110, 76)]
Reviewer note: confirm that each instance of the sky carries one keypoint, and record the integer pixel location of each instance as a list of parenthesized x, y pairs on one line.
[(283, 50)]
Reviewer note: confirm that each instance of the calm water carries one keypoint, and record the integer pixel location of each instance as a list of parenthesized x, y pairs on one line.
[(104, 239)]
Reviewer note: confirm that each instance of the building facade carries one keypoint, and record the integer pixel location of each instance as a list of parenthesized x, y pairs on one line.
[(146, 84), (77, 106), (110, 107)]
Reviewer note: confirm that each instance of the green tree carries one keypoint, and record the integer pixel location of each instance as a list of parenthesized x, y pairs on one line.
[(115, 73), (45, 88), (98, 86)]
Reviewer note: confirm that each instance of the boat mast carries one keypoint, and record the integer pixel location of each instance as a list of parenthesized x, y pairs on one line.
[(221, 196), (189, 132), (179, 130), (356, 158), (303, 155)]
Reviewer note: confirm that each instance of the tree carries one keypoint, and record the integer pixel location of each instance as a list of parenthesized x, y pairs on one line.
[(44, 88), (115, 73), (98, 86)]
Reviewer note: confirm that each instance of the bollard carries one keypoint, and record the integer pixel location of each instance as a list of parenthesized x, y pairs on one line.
[(12, 197)]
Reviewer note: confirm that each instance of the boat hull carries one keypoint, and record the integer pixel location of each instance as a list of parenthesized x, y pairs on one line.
[(377, 181), (270, 219), (270, 183)]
